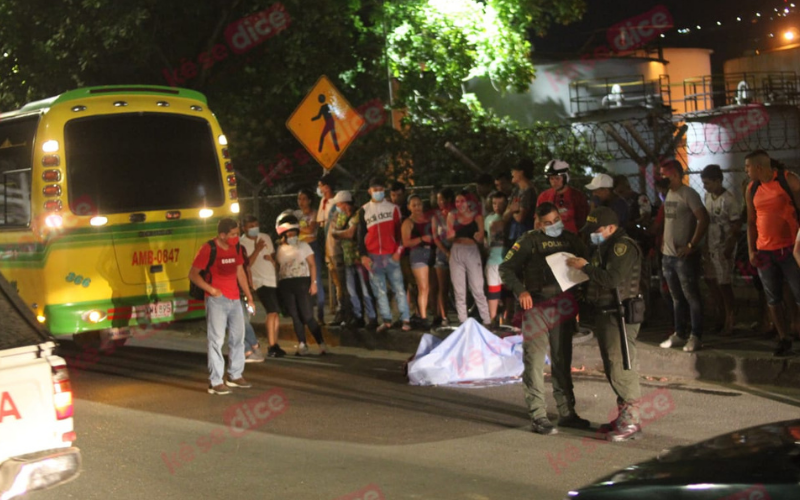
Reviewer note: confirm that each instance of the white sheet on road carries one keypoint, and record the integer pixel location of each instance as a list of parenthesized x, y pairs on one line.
[(471, 354)]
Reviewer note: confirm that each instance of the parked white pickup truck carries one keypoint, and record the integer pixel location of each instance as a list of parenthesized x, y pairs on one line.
[(36, 430)]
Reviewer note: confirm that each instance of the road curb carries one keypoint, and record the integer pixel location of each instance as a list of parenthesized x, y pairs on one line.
[(708, 365)]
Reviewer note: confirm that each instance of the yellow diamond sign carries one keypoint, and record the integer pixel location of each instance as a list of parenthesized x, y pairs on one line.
[(325, 123)]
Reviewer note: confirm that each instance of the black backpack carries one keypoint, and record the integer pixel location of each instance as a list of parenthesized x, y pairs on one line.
[(195, 291), (784, 184)]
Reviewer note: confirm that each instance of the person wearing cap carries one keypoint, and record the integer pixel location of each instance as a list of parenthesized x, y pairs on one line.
[(379, 240), (572, 203), (548, 317), (616, 264), (355, 275), (603, 195)]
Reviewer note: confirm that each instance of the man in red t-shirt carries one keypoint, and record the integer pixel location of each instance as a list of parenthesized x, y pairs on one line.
[(223, 305), (572, 204)]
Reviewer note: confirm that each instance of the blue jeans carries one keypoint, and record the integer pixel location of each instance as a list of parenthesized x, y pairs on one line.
[(222, 312), (355, 277), (683, 279), (250, 340), (383, 267), (775, 268), (319, 261)]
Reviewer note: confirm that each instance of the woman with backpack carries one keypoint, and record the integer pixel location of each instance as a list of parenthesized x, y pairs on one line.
[(296, 267)]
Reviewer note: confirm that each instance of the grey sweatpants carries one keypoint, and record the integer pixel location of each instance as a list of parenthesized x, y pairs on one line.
[(465, 265)]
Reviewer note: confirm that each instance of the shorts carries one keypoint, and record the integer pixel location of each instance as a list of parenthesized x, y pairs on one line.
[(493, 283), (268, 296), (420, 257), (775, 268), (441, 260), (718, 268)]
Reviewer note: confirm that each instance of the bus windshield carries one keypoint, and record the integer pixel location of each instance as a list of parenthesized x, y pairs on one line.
[(141, 161)]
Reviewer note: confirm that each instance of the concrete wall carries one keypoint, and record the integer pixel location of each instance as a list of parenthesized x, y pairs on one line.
[(781, 60)]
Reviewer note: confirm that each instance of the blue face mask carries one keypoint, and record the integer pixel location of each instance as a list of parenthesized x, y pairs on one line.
[(292, 240), (554, 230), (597, 238), (253, 232), (378, 195)]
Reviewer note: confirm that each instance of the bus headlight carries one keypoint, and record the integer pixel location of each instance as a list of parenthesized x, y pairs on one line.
[(205, 213), (234, 208)]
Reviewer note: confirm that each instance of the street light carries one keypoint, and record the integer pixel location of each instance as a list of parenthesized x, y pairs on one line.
[(790, 35)]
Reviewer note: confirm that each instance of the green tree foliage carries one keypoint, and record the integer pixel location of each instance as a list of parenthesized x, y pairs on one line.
[(433, 47)]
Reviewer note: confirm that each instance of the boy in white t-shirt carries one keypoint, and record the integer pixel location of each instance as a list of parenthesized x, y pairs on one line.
[(723, 232), (261, 255)]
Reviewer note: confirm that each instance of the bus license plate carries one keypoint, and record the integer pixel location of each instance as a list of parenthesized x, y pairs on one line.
[(160, 309)]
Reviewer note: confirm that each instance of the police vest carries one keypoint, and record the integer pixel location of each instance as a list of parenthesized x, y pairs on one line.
[(539, 279), (629, 287)]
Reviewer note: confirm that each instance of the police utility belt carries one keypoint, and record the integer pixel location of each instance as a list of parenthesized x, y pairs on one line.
[(634, 308)]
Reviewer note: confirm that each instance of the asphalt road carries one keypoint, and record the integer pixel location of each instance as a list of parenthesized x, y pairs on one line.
[(349, 426)]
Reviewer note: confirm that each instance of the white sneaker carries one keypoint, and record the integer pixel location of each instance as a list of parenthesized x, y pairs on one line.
[(693, 344), (674, 340), (302, 349), (324, 349)]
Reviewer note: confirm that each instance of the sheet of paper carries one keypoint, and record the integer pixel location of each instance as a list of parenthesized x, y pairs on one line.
[(567, 277)]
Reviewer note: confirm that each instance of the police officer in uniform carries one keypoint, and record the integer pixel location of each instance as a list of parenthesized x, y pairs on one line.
[(549, 316), (616, 263)]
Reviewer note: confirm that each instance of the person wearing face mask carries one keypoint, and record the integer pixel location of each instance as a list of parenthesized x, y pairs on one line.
[(379, 244), (226, 277), (296, 268), (616, 264), (465, 231), (548, 316), (326, 190), (262, 269)]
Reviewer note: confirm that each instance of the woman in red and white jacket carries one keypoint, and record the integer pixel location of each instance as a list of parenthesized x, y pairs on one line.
[(379, 244)]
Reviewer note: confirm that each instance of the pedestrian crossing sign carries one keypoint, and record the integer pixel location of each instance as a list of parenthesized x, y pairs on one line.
[(325, 123)]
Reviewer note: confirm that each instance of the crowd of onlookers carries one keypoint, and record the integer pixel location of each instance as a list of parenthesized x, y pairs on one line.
[(438, 252)]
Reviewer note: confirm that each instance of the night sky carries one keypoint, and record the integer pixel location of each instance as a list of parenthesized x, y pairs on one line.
[(730, 39)]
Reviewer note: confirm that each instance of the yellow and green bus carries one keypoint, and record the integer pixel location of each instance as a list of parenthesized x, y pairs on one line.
[(106, 194)]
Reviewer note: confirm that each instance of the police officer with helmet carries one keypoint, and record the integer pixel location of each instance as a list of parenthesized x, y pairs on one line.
[(549, 316), (615, 266)]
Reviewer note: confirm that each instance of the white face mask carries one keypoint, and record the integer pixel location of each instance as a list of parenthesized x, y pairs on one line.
[(292, 240)]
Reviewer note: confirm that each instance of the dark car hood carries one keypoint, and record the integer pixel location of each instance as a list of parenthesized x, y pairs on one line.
[(767, 455)]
